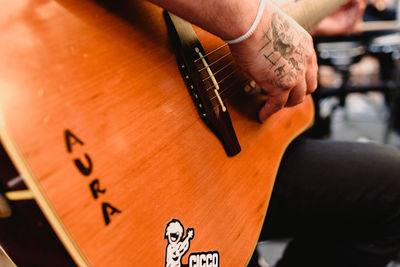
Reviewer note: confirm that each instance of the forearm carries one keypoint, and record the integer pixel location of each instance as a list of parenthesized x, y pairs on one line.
[(227, 19)]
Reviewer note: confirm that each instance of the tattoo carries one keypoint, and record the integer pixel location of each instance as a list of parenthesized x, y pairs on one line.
[(268, 40), (283, 41), (273, 58), (283, 51), (292, 75), (300, 51), (294, 64), (280, 71)]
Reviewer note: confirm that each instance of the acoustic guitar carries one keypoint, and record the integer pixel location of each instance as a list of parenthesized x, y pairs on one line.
[(135, 133)]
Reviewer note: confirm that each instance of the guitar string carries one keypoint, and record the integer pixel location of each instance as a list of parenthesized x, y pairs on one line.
[(213, 63), (238, 86), (210, 53), (237, 69), (234, 83), (216, 61), (233, 92), (223, 79), (226, 89), (218, 71)]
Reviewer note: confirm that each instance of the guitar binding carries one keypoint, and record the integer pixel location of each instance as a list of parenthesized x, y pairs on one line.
[(214, 114)]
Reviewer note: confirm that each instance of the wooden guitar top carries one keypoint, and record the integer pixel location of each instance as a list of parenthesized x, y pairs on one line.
[(98, 120)]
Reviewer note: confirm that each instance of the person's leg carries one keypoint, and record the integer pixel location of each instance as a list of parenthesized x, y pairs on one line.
[(341, 203)]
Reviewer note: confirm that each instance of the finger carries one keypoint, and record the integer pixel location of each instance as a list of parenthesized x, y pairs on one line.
[(273, 104), (312, 77), (297, 95)]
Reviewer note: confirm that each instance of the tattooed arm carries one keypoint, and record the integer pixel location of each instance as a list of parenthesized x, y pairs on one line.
[(279, 55)]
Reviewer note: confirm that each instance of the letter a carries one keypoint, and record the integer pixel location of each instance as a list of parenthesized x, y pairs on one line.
[(106, 216), (70, 140)]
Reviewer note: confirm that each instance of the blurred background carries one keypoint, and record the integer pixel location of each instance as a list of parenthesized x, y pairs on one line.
[(358, 98)]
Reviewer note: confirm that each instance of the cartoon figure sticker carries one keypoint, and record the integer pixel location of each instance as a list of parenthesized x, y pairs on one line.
[(178, 245)]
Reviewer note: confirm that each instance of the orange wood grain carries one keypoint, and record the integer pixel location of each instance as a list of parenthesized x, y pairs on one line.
[(107, 73)]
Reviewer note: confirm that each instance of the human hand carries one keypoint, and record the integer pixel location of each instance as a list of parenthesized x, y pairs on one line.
[(344, 21), (280, 57)]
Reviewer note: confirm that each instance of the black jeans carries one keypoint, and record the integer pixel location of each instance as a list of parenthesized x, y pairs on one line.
[(339, 201)]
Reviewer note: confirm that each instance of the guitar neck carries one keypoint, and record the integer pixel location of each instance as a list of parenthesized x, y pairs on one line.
[(308, 13)]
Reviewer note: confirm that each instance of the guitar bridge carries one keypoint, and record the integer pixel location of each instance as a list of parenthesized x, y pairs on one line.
[(202, 86)]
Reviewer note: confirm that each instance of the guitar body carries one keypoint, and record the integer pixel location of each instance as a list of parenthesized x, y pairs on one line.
[(99, 122)]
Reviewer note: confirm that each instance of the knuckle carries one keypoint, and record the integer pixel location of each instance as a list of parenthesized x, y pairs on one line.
[(312, 56), (287, 84)]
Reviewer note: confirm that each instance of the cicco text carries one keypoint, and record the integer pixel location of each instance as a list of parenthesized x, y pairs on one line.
[(204, 259)]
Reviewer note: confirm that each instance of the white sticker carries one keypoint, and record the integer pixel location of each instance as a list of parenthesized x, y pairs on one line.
[(178, 245)]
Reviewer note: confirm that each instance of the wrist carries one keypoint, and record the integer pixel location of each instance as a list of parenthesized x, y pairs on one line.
[(237, 19), (257, 19), (256, 38)]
